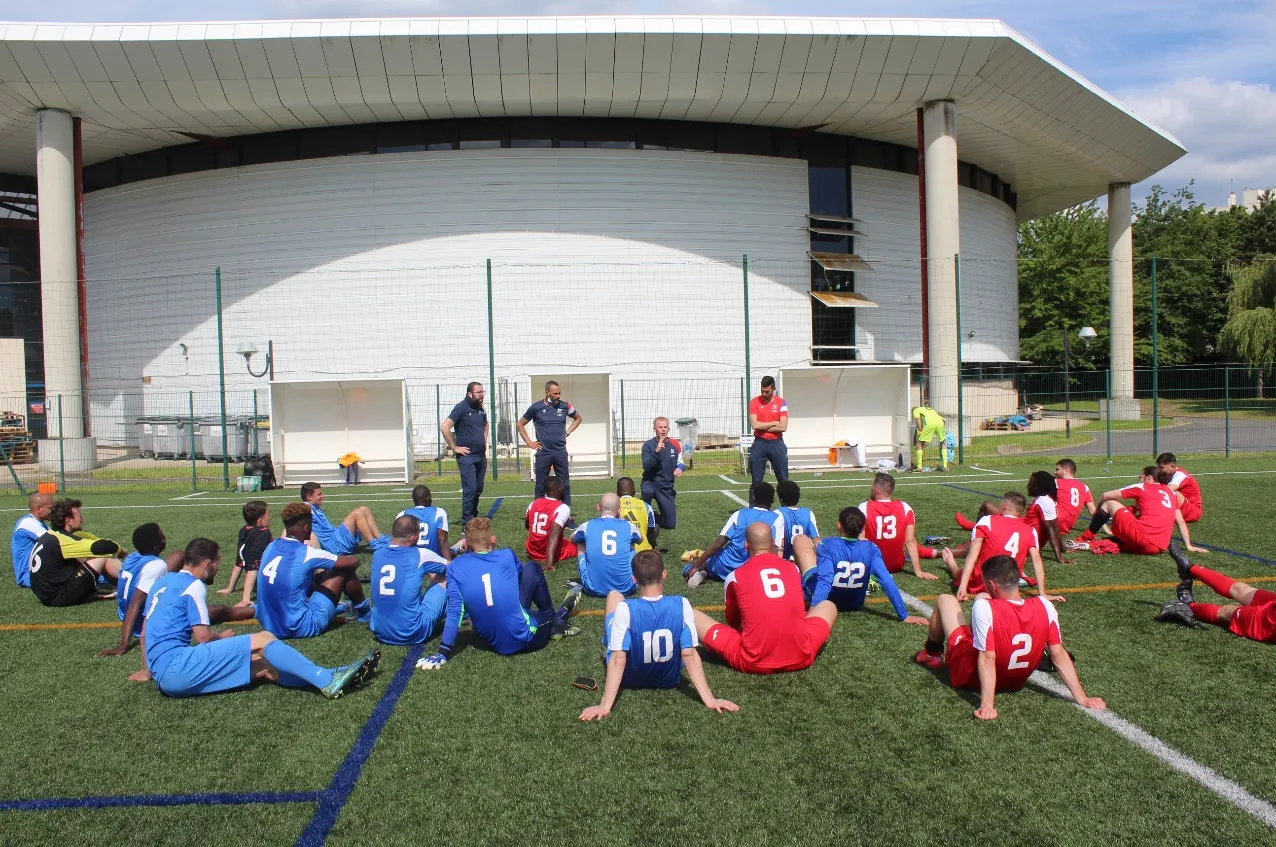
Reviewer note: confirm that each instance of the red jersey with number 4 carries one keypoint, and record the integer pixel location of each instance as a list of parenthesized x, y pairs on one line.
[(1018, 631), (765, 602), (540, 515), (1073, 497), (1002, 536), (1156, 504), (886, 524)]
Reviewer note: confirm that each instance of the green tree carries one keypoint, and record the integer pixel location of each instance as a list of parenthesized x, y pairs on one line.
[(1250, 332), (1258, 233)]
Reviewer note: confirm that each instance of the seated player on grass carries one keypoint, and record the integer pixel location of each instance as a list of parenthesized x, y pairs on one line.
[(67, 562), (1042, 514), (798, 520), (546, 517), (1252, 615), (768, 628), (1149, 533), (728, 551), (254, 537), (404, 611), (1072, 495), (638, 513), (606, 550), (186, 658), (988, 507), (300, 586), (649, 640), (498, 593), (842, 567), (1006, 534), (342, 539), (139, 572), (26, 532), (892, 526), (1184, 486), (1004, 643), (433, 519)]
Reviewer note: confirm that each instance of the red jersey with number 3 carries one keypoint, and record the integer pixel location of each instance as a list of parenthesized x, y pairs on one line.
[(765, 602), (540, 514), (885, 524), (1018, 631), (1002, 536), (1156, 504), (1073, 496)]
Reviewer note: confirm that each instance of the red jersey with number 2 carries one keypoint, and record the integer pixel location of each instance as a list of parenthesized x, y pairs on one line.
[(1002, 536), (886, 524), (1018, 631)]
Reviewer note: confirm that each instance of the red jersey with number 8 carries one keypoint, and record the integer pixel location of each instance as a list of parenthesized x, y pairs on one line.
[(1073, 497), (1018, 631), (885, 524), (1003, 536)]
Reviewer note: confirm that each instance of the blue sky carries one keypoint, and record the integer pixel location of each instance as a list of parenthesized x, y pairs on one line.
[(1202, 70)]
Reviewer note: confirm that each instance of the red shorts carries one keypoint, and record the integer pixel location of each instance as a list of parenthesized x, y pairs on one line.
[(1257, 623), (1191, 512), (566, 550), (962, 659), (727, 643), (1128, 531)]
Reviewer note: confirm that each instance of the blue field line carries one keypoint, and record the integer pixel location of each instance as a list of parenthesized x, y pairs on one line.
[(333, 798), (131, 800), (971, 490), (496, 504), (1237, 553)]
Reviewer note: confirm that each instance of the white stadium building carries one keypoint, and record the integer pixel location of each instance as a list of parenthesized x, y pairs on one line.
[(353, 178)]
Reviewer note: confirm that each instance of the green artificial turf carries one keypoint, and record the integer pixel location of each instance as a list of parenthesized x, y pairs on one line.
[(865, 747)]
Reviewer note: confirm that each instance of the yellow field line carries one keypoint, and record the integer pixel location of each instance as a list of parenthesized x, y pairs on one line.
[(1085, 589)]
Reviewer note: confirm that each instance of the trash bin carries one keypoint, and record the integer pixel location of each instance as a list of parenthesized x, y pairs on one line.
[(688, 432), (148, 427), (163, 435), (210, 438)]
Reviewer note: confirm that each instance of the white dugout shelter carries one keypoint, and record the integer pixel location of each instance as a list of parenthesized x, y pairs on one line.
[(863, 405)]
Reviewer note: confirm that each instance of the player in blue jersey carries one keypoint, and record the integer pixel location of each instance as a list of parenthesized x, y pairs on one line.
[(648, 641), (138, 573), (342, 539), (843, 566), (403, 610), (498, 593), (798, 520), (26, 532), (727, 552), (178, 614), (606, 545), (434, 525), (294, 602)]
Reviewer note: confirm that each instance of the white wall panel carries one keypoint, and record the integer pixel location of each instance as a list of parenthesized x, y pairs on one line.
[(989, 279)]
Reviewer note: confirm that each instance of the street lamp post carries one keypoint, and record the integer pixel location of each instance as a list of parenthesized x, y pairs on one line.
[(1086, 334), (248, 350)]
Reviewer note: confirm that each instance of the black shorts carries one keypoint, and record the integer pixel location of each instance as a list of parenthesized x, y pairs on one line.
[(78, 589)]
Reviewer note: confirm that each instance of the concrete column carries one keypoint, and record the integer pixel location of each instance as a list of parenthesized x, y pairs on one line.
[(943, 243), (1121, 301), (55, 186)]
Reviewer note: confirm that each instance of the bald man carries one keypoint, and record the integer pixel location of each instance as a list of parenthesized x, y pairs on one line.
[(606, 545), (26, 532), (768, 629)]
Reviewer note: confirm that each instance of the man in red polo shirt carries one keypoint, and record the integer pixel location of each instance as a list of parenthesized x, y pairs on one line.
[(768, 418), (768, 628)]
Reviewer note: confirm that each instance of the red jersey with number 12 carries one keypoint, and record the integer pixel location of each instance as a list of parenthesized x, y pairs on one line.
[(1003, 536), (543, 512), (765, 602), (885, 524)]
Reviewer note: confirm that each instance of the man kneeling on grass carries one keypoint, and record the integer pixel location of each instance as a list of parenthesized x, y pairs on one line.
[(1004, 644), (639, 637), (186, 658)]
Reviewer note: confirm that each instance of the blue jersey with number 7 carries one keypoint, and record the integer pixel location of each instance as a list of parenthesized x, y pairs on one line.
[(485, 585)]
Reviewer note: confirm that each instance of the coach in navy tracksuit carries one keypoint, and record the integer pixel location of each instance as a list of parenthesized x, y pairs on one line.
[(661, 465), (469, 418), (550, 416)]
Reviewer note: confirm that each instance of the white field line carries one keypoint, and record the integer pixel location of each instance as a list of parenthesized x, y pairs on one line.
[(735, 497), (189, 496), (728, 479), (992, 470), (1148, 743)]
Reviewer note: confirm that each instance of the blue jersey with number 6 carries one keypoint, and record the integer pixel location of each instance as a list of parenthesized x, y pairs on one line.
[(485, 585), (606, 561), (842, 570), (653, 631)]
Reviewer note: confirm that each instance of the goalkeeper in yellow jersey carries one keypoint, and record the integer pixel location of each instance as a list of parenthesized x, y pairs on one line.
[(930, 427)]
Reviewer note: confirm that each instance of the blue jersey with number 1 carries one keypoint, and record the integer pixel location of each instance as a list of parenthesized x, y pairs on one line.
[(486, 586), (842, 571)]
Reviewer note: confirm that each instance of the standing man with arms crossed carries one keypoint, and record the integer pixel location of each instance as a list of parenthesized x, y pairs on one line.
[(661, 465), (469, 445), (550, 416), (768, 418)]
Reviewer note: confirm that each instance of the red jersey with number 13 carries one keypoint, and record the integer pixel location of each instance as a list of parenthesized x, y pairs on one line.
[(885, 524)]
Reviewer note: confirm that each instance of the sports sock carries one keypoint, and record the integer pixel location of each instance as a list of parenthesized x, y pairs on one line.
[(1207, 612), (295, 670), (917, 457), (1096, 523), (927, 552), (1221, 585), (963, 521), (935, 648)]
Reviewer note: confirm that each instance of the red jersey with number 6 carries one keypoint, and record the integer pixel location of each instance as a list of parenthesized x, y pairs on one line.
[(1018, 631), (1073, 497), (886, 524), (1156, 504), (765, 602), (1002, 536)]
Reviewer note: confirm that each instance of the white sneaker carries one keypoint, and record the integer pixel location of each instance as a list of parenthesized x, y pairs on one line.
[(697, 578)]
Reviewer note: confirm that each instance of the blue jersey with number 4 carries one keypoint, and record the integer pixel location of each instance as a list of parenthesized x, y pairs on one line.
[(397, 574), (798, 520), (606, 560), (842, 571), (432, 519), (285, 582), (653, 631), (485, 585)]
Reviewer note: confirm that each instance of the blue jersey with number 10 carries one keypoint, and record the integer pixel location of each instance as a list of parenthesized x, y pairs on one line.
[(653, 631)]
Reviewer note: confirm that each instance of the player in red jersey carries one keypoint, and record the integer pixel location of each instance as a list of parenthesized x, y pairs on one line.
[(1254, 618), (1004, 643), (1184, 486), (1006, 534), (1042, 515), (768, 628), (546, 517), (988, 507), (1149, 533), (1072, 495), (892, 526)]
